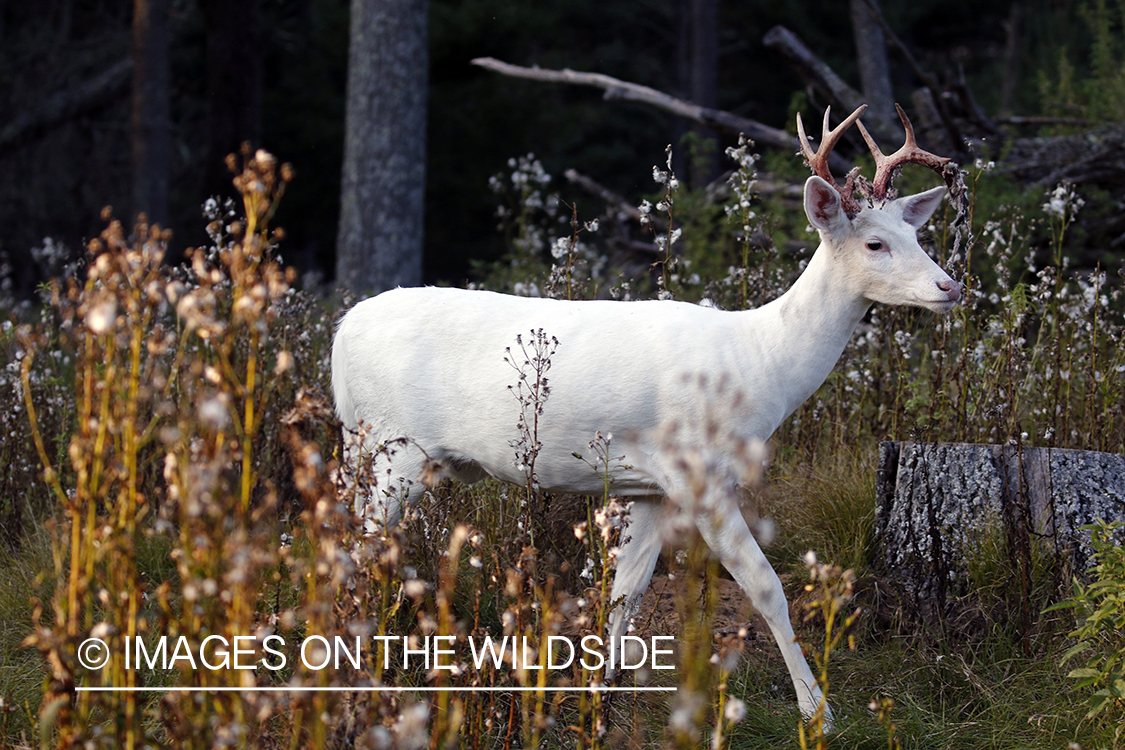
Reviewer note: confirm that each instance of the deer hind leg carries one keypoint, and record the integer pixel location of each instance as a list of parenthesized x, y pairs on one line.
[(383, 481), (636, 558), (726, 533)]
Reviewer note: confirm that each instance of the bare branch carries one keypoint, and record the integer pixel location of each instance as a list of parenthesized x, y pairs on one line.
[(819, 75), (1038, 121), (871, 58), (616, 201), (923, 76), (1092, 157), (926, 78), (614, 88)]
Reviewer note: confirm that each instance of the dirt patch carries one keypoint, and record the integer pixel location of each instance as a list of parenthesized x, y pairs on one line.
[(660, 612)]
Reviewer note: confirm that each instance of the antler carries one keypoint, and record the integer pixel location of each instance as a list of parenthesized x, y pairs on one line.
[(910, 153), (818, 162)]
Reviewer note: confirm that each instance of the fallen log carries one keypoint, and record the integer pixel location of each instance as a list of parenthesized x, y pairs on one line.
[(817, 73), (61, 107), (1096, 156)]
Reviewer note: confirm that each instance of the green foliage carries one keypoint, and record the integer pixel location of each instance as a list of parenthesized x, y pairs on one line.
[(1100, 609), (21, 583), (944, 699), (1097, 93)]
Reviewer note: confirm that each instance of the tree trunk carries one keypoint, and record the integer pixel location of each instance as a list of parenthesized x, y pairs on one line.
[(871, 55), (235, 79), (677, 127), (941, 508), (1011, 59), (152, 126), (929, 127), (704, 82), (379, 245)]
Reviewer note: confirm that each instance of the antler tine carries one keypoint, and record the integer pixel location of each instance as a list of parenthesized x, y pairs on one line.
[(910, 153), (806, 149), (831, 137), (818, 161)]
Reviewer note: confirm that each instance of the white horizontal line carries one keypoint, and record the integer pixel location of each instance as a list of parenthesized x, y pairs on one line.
[(386, 689)]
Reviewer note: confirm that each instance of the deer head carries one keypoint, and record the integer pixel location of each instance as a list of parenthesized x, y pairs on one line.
[(874, 238)]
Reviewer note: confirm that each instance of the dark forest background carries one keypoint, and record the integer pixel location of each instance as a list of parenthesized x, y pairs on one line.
[(275, 72)]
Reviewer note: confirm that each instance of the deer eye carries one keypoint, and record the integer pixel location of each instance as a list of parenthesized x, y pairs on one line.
[(874, 245)]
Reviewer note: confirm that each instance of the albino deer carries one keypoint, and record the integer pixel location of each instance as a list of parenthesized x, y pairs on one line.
[(429, 364)]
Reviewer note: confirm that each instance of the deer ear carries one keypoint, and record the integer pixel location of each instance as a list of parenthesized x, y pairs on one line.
[(823, 205), (917, 209)]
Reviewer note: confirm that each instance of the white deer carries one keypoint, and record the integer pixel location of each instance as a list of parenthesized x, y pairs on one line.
[(428, 364)]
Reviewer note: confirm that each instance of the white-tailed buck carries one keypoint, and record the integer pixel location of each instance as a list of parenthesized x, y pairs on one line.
[(429, 365)]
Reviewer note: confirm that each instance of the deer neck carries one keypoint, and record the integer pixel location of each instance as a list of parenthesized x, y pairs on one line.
[(805, 330)]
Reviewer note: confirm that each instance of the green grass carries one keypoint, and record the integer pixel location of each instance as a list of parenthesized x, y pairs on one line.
[(25, 573), (830, 509)]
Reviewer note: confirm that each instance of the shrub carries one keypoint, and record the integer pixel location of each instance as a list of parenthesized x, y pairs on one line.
[(1100, 609)]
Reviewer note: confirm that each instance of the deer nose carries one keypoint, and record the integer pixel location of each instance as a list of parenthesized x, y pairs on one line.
[(951, 288)]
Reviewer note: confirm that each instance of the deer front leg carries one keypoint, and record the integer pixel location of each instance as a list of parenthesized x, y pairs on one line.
[(636, 558), (725, 531)]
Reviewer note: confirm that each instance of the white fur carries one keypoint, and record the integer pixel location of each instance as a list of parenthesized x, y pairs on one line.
[(428, 364)]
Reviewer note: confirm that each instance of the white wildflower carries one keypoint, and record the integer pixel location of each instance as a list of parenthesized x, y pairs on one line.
[(645, 210), (214, 413), (560, 248), (102, 316), (1063, 203), (735, 710)]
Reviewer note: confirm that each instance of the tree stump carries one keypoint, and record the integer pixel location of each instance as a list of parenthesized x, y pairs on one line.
[(943, 509)]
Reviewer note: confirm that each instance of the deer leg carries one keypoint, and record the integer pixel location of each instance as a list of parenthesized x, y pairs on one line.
[(636, 558), (725, 531), (390, 483)]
